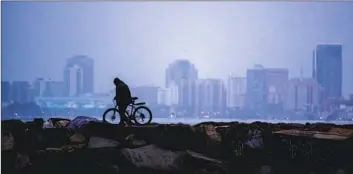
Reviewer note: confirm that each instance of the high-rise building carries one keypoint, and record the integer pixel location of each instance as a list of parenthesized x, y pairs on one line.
[(265, 87), (168, 96), (256, 88), (183, 74), (180, 70), (236, 90), (186, 95), (39, 86), (21, 92), (276, 84), (210, 97), (5, 92), (48, 88), (78, 76), (327, 70), (302, 94)]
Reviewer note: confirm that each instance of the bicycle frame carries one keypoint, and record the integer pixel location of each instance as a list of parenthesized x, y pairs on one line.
[(133, 107)]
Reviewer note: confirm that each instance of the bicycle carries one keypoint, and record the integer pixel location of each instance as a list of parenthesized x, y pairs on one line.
[(134, 115)]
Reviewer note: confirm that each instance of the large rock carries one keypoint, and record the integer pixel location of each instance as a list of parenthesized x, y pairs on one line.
[(96, 147), (199, 163), (153, 157), (254, 139), (77, 138), (104, 130), (7, 141), (98, 142), (41, 139), (17, 130), (133, 141)]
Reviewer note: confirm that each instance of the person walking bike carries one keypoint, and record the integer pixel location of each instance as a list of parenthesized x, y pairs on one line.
[(122, 98)]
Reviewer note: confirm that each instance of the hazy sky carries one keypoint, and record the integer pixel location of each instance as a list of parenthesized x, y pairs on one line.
[(137, 40)]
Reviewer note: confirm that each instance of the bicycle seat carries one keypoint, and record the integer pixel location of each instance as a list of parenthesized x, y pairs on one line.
[(134, 98)]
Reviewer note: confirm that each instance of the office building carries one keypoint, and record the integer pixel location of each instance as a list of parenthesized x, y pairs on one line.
[(180, 70), (327, 70), (256, 88), (168, 96), (186, 95), (78, 76), (236, 90), (210, 97), (302, 94), (21, 92), (266, 87), (39, 86), (5, 91), (276, 84), (48, 88), (183, 74)]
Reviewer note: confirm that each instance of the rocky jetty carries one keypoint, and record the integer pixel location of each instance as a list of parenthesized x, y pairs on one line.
[(85, 145)]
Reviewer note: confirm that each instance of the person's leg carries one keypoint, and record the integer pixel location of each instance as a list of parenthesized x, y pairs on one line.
[(122, 109)]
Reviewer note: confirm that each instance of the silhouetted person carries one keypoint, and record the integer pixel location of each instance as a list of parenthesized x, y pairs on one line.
[(122, 98)]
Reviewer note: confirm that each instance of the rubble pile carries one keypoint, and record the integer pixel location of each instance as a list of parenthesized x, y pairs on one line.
[(86, 145)]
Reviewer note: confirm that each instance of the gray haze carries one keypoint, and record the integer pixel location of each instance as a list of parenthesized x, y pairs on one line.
[(137, 40)]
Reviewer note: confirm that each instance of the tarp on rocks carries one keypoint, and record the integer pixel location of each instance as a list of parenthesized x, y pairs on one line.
[(56, 123), (79, 121)]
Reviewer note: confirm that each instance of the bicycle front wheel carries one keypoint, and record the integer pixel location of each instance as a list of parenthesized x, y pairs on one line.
[(142, 115), (112, 116)]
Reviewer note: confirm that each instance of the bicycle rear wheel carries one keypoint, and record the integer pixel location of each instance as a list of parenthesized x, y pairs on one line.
[(142, 115)]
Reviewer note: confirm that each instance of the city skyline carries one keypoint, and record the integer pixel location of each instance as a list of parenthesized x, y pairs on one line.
[(80, 62), (229, 39), (263, 91)]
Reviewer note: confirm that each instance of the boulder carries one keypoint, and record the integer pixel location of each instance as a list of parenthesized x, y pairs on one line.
[(7, 141), (153, 157), (199, 163), (96, 147), (254, 139), (133, 142), (77, 138), (41, 139), (266, 169), (22, 161), (98, 142)]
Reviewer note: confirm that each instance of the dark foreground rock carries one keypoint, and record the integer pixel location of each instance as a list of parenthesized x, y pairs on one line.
[(94, 147)]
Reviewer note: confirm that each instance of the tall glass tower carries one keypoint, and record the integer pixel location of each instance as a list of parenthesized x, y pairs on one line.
[(327, 70)]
